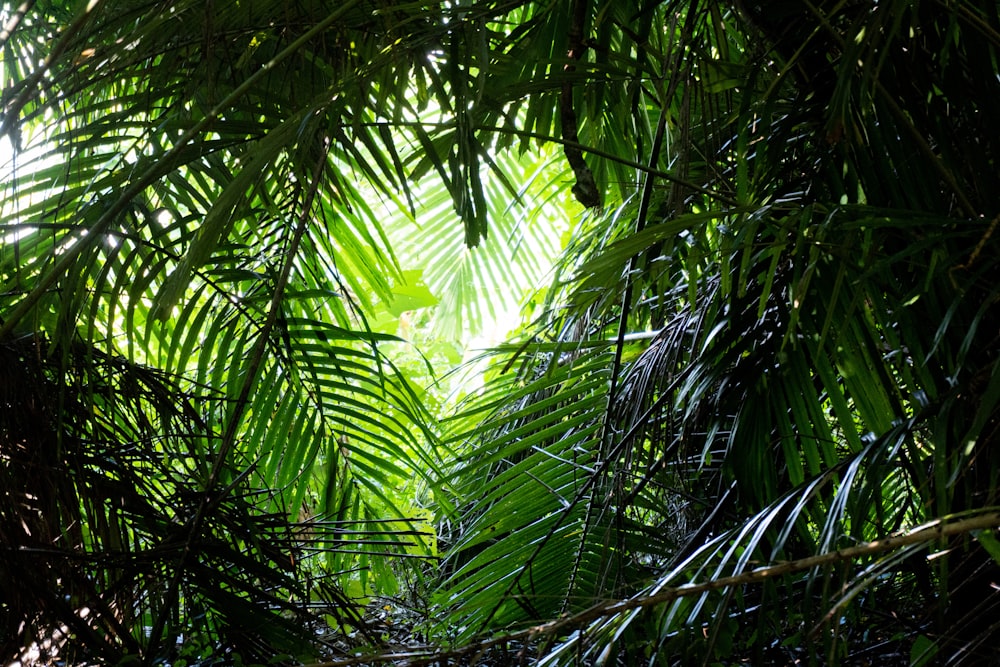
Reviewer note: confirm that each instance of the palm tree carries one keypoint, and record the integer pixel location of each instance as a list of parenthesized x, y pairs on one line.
[(770, 342), (194, 262), (779, 351)]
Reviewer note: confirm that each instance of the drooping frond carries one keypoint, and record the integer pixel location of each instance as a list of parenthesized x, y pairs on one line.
[(104, 463), (802, 356)]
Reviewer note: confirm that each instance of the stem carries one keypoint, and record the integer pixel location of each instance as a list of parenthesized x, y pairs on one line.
[(930, 532)]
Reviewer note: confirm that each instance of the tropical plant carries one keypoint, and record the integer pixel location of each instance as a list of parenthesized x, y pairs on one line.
[(770, 343), (779, 351), (193, 225), (103, 472)]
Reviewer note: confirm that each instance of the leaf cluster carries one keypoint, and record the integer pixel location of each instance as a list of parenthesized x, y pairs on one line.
[(783, 345)]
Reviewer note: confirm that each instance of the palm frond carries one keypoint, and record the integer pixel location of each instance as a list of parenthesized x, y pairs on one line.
[(121, 453), (804, 348)]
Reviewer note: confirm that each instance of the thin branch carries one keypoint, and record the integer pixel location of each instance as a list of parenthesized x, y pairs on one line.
[(974, 20), (592, 150), (608, 428), (594, 477), (15, 20), (979, 246), (640, 167), (918, 138), (585, 190), (930, 532)]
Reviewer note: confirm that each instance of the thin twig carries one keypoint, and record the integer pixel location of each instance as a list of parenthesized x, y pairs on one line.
[(904, 119), (979, 246)]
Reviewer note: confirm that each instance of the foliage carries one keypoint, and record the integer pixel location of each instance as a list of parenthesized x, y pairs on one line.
[(770, 340), (198, 188), (784, 344), (104, 479)]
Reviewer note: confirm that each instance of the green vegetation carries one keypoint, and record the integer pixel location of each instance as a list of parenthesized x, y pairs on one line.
[(750, 412)]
